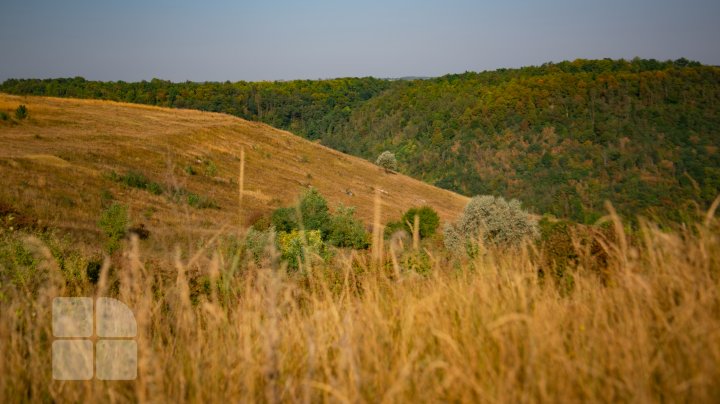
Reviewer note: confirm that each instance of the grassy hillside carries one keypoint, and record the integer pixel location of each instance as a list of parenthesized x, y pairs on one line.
[(604, 313), (563, 137), (57, 167)]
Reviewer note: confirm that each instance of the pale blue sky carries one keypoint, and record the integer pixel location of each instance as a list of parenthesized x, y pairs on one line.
[(282, 39)]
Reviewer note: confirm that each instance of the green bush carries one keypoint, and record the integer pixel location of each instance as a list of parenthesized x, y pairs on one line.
[(394, 227), (340, 230), (387, 161), (346, 230), (494, 220), (429, 220), (18, 266), (154, 188), (134, 179), (21, 112), (314, 212), (301, 246), (284, 219), (4, 116), (114, 222)]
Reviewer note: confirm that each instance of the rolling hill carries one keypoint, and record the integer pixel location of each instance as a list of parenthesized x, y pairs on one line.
[(561, 137), (69, 158)]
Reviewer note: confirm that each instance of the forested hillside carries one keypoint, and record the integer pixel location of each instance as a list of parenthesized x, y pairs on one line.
[(560, 137)]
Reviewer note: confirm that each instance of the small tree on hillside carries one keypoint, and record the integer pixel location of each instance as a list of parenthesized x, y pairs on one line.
[(429, 220), (493, 219), (387, 161), (21, 112)]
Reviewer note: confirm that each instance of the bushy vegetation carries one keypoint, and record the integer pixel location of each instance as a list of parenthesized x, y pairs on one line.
[(387, 160), (340, 229), (314, 212), (561, 137), (301, 247), (315, 229), (428, 217), (135, 179), (467, 331), (21, 112), (114, 223), (347, 231), (491, 220)]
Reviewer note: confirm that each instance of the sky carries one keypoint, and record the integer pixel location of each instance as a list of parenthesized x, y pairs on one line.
[(281, 39)]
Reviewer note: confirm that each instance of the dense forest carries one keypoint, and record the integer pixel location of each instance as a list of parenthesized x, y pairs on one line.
[(561, 137)]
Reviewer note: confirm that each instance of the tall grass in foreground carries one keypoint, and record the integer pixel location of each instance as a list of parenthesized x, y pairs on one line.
[(212, 328)]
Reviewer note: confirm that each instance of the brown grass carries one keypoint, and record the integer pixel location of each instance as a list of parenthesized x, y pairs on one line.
[(485, 330), (53, 163)]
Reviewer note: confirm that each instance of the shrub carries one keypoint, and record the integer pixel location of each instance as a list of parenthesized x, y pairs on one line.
[(21, 112), (387, 161), (135, 179), (4, 116), (429, 220), (346, 231), (284, 219), (394, 227), (114, 222), (314, 212), (301, 246), (493, 219), (339, 230), (154, 188)]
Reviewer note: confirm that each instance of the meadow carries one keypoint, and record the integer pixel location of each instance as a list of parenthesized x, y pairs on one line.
[(214, 326)]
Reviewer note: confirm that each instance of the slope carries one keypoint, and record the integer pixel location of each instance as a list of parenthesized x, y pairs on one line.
[(60, 167)]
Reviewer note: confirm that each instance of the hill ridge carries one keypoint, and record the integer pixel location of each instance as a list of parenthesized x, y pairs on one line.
[(60, 161)]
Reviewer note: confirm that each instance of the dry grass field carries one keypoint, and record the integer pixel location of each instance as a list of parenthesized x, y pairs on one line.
[(54, 167), (486, 330), (637, 322)]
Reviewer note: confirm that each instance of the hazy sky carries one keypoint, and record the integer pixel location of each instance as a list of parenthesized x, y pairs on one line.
[(281, 39)]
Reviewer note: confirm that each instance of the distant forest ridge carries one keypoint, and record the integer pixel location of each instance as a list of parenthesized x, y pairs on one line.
[(561, 137)]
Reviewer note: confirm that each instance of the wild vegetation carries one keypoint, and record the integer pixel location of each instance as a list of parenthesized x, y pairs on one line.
[(561, 137), (640, 322)]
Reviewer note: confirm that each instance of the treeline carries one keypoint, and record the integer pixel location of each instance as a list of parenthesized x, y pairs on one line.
[(310, 108), (561, 137)]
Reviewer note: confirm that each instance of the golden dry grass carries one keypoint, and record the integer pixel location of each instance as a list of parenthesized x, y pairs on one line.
[(52, 167), (485, 330)]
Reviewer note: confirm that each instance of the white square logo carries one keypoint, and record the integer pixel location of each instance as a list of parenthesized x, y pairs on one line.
[(114, 354)]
